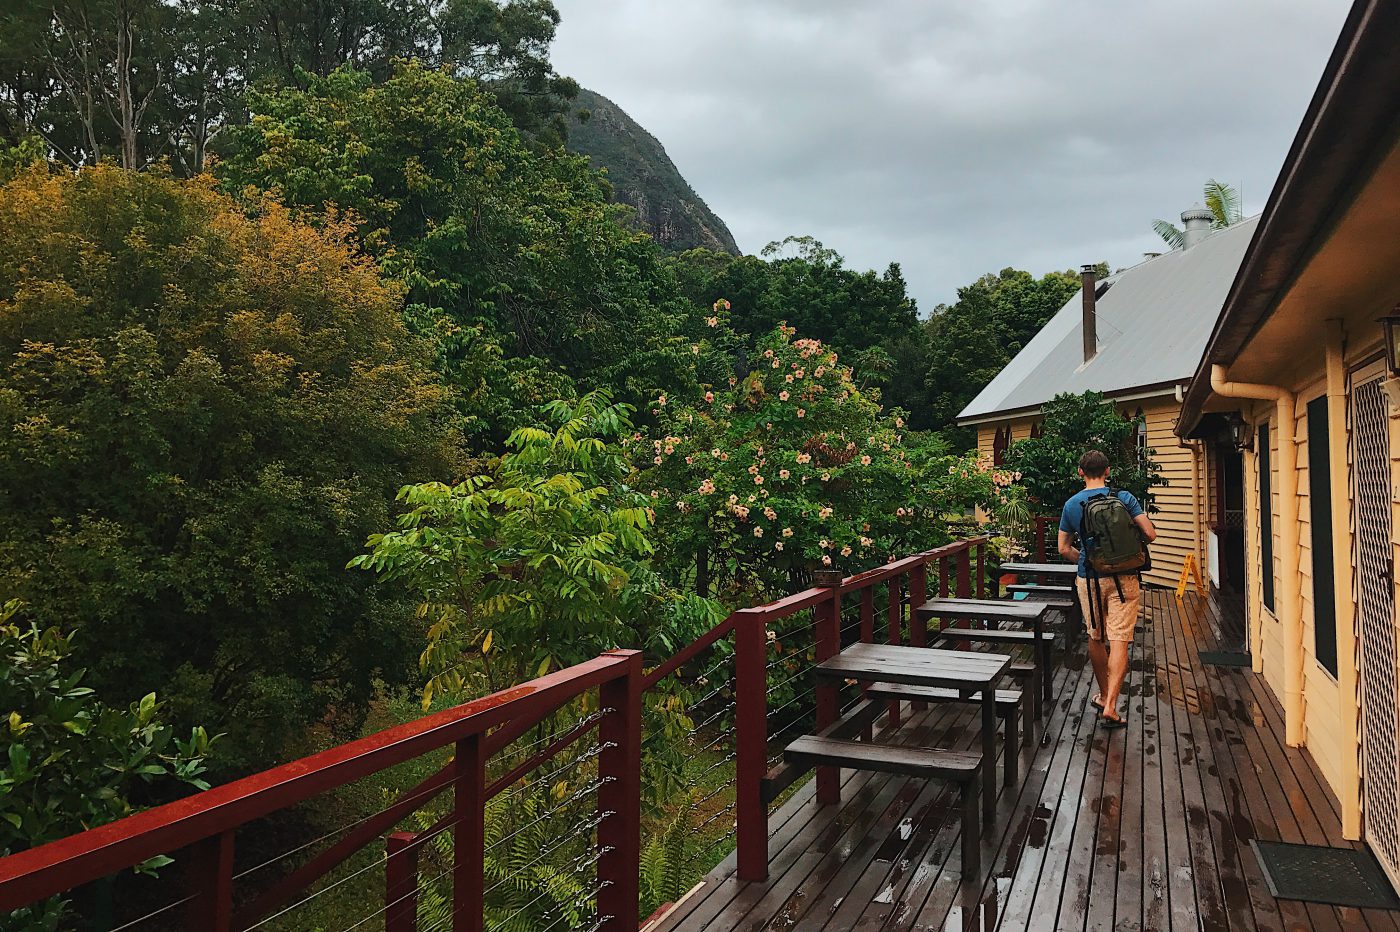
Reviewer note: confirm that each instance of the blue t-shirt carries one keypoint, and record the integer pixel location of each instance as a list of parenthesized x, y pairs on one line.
[(1073, 516)]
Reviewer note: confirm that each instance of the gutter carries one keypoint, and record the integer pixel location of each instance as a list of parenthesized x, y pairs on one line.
[(1290, 603)]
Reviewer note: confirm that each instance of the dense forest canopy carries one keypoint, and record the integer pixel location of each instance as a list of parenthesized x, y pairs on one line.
[(327, 372)]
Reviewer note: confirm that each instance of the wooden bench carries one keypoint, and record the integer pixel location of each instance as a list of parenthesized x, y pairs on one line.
[(962, 768), (1008, 708), (1032, 589), (1042, 678)]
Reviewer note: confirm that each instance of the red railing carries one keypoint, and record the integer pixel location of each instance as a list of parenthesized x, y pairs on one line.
[(203, 827)]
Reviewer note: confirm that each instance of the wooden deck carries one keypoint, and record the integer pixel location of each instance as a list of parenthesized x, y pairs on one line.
[(1148, 827)]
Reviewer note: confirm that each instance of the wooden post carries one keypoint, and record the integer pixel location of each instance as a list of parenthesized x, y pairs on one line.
[(894, 635), (867, 636), (981, 569), (401, 882), (751, 744), (964, 573), (211, 884), (918, 627), (620, 797), (468, 836), (828, 630), (943, 577)]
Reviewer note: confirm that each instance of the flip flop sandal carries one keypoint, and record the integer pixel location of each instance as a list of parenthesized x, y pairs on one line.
[(1097, 703), (1111, 724)]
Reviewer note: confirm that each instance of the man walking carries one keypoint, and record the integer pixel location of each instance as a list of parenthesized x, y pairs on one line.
[(1113, 533)]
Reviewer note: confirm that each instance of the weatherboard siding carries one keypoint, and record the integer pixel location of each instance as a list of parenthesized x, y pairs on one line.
[(1175, 518), (1176, 501)]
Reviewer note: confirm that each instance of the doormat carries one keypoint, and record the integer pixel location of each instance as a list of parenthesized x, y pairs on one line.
[(1225, 658), (1318, 874)]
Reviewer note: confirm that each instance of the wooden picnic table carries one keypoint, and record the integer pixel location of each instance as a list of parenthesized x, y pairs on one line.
[(1001, 610), (1059, 572), (969, 672)]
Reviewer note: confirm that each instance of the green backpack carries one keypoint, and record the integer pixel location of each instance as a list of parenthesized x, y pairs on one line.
[(1112, 542)]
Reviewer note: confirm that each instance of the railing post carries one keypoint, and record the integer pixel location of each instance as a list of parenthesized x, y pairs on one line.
[(620, 797), (918, 627), (894, 634), (401, 882), (751, 744), (964, 573), (828, 646), (943, 577), (981, 569), (867, 636), (469, 836), (918, 595), (211, 884)]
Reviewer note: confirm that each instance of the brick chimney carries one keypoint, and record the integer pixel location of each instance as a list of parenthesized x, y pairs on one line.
[(1091, 321)]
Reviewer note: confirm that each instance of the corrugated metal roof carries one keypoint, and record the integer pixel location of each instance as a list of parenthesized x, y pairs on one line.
[(1153, 323)]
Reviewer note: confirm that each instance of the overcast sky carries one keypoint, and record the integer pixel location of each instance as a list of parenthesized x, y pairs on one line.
[(958, 137)]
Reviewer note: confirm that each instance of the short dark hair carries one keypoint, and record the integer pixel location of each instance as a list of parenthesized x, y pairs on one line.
[(1093, 464)]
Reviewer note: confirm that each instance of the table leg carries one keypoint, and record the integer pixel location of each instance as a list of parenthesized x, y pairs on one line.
[(1045, 653), (828, 778), (989, 754)]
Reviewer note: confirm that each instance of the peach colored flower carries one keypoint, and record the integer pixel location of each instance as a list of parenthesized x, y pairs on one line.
[(778, 545), (804, 457), (801, 413), (826, 560), (777, 363), (825, 512), (758, 480), (783, 474), (709, 397), (758, 532), (782, 396), (768, 354), (845, 551), (661, 402), (865, 460), (657, 460), (788, 376), (787, 532), (712, 321)]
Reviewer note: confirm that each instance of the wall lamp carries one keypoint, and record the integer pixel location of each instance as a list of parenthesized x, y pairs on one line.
[(1391, 323)]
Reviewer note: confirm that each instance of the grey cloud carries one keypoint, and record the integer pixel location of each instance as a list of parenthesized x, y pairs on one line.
[(958, 138)]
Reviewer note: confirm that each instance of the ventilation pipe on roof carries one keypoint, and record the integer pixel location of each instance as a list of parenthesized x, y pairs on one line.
[(1290, 602), (1195, 225), (1091, 320)]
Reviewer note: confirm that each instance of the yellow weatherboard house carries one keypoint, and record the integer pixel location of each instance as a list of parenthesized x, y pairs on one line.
[(1136, 336)]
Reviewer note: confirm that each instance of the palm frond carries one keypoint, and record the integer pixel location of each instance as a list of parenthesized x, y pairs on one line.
[(1171, 234), (1223, 201)]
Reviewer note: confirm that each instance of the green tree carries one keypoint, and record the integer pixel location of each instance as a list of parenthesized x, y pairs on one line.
[(206, 407), (68, 762), (791, 468), (973, 339), (1222, 200), (496, 242), (1074, 424), (539, 564)]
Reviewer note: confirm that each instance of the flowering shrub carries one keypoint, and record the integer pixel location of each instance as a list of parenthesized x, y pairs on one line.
[(792, 467)]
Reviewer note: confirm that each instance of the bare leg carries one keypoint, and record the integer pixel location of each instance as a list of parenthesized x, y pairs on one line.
[(1098, 659), (1117, 673)]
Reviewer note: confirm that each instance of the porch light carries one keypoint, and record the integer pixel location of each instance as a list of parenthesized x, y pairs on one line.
[(1391, 323), (1241, 432)]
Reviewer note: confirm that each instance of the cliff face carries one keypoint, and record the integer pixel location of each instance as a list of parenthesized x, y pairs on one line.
[(644, 178)]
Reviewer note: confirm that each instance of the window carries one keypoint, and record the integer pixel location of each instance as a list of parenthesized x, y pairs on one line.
[(1266, 516), (1141, 438), (1000, 442), (1320, 519)]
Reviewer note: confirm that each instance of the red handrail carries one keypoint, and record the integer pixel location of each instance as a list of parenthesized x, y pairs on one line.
[(206, 822), (60, 865)]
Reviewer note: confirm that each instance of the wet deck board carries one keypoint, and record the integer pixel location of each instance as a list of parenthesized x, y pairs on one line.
[(1145, 828)]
